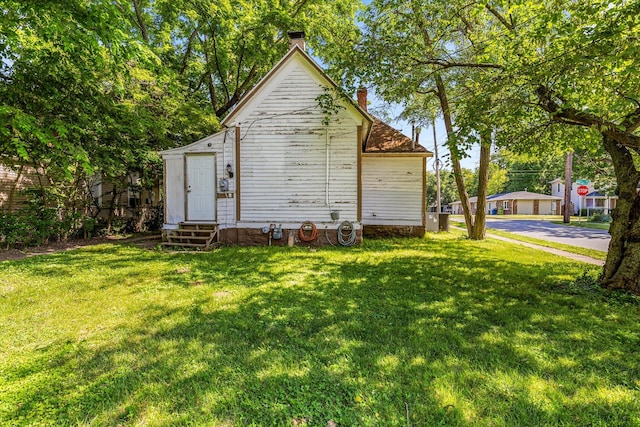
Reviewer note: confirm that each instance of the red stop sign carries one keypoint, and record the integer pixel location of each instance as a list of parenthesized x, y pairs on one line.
[(583, 190)]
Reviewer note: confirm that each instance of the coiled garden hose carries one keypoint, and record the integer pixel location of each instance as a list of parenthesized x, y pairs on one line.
[(346, 233), (306, 226)]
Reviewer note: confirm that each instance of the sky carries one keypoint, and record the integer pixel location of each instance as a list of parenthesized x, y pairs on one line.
[(426, 135)]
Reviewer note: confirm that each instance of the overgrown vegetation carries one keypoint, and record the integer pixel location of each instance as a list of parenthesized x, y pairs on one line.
[(49, 216), (99, 87), (434, 331)]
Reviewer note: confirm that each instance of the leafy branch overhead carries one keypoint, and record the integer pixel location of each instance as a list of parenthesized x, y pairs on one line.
[(98, 86), (531, 76)]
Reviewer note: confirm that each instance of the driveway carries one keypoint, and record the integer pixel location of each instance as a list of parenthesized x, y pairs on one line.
[(545, 230)]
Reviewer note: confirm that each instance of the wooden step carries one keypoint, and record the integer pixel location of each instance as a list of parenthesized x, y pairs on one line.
[(192, 236), (189, 234), (173, 237), (186, 245), (204, 227)]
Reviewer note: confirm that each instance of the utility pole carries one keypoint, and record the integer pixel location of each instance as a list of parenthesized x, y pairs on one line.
[(568, 171), (435, 146)]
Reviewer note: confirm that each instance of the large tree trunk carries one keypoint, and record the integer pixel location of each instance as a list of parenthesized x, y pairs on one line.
[(455, 158), (622, 268), (479, 227)]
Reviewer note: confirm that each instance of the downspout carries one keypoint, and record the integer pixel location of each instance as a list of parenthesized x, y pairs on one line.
[(326, 188)]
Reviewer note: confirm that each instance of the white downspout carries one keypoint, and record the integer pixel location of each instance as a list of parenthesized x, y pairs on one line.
[(326, 187)]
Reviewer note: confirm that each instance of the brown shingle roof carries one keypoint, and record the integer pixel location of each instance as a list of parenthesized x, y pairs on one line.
[(385, 139)]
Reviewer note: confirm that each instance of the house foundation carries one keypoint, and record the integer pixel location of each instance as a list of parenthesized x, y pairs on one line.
[(256, 237)]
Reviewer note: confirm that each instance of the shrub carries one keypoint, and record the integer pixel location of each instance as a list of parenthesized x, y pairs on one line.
[(40, 220), (600, 216), (11, 227)]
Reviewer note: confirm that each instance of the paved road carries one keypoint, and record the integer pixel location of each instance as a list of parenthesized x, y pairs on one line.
[(545, 230)]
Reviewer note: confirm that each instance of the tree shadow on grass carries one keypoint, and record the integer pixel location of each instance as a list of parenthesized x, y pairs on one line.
[(372, 336)]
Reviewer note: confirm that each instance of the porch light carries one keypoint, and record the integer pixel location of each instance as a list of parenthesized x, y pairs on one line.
[(229, 170)]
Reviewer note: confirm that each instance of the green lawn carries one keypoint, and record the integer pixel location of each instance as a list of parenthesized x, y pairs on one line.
[(592, 253), (417, 332), (585, 224)]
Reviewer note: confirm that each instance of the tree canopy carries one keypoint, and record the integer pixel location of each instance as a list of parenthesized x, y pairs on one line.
[(534, 74), (91, 86)]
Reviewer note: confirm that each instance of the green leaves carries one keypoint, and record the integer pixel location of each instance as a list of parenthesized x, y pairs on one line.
[(329, 104)]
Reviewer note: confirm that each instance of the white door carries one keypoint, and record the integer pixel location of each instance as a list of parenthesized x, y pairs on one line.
[(201, 187)]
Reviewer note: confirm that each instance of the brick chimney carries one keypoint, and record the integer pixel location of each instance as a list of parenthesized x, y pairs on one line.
[(362, 97), (296, 38)]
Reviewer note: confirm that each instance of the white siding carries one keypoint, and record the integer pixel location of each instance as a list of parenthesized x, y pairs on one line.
[(392, 190), (226, 206), (174, 197), (284, 153), (222, 145), (292, 167)]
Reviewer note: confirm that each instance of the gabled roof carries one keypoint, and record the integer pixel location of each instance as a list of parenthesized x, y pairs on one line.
[(472, 199), (379, 137), (199, 145), (525, 195), (385, 139), (295, 50), (596, 194)]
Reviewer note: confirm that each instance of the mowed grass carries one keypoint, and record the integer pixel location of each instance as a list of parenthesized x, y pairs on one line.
[(585, 224), (592, 253), (418, 332)]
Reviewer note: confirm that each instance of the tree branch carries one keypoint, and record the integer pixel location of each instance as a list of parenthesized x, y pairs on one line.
[(238, 93), (632, 121), (140, 21), (500, 18), (576, 117), (210, 85), (240, 60), (427, 92), (187, 53), (218, 68), (298, 8), (449, 64)]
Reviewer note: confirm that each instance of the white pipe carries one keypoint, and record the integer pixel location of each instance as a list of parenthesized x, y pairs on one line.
[(326, 187)]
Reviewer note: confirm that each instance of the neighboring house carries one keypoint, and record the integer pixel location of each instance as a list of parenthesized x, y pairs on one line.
[(524, 203), (12, 181), (283, 170), (456, 207), (595, 200), (106, 196), (516, 203)]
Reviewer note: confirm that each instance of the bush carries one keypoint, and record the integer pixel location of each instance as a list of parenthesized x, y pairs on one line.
[(11, 226), (38, 221), (48, 216), (600, 217)]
